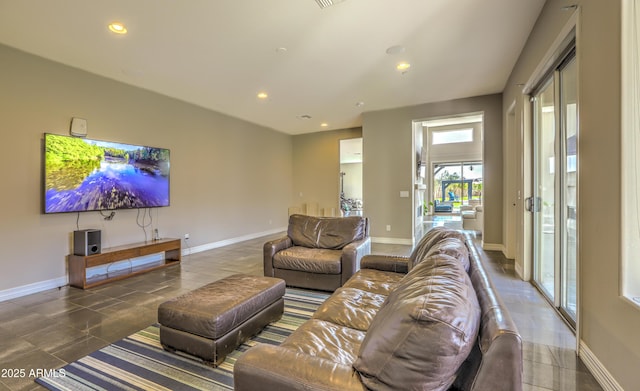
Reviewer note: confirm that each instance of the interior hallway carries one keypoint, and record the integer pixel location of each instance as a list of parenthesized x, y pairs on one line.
[(52, 328)]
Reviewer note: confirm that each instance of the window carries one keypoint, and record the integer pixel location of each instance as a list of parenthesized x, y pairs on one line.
[(630, 202), (451, 136)]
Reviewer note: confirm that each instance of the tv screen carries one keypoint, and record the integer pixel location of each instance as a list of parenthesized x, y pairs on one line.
[(87, 175)]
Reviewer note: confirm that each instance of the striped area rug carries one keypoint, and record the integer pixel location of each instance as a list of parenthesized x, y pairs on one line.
[(138, 361)]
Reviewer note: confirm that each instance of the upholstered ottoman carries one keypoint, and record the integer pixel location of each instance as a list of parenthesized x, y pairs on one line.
[(211, 321)]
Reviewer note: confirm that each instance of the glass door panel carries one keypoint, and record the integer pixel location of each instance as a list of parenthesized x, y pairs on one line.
[(446, 186), (544, 188), (569, 121), (472, 182), (554, 204), (456, 184)]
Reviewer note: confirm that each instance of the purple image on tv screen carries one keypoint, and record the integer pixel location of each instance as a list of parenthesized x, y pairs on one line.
[(87, 175)]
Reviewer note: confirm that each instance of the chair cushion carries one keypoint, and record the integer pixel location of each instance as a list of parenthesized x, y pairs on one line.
[(312, 260), (468, 214), (326, 232), (424, 331)]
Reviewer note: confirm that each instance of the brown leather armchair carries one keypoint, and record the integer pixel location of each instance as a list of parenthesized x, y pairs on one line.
[(318, 252)]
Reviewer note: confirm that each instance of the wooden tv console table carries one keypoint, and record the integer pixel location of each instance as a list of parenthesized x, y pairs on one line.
[(78, 264)]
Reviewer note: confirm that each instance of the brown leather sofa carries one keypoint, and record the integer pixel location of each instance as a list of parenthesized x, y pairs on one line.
[(432, 321), (318, 252)]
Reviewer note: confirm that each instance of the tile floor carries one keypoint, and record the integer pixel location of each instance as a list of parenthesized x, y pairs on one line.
[(50, 329)]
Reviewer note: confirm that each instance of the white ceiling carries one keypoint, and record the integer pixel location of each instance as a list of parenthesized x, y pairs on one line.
[(219, 54)]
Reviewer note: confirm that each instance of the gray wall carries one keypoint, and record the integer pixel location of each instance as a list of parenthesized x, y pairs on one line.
[(229, 178), (608, 324), (316, 167), (389, 168)]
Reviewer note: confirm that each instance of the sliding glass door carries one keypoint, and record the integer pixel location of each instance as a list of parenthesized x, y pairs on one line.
[(569, 169), (554, 204), (544, 184)]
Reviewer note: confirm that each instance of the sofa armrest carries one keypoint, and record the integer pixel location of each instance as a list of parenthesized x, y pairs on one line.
[(352, 253), (270, 249), (268, 367), (501, 366), (386, 263)]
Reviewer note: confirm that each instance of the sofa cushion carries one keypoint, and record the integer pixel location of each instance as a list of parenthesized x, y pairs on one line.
[(350, 307), (374, 281), (326, 232), (326, 340), (453, 247), (433, 236), (424, 331), (310, 260)]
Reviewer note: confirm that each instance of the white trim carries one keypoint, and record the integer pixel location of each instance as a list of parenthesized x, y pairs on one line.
[(630, 229), (407, 242), (606, 380), (36, 287), (40, 286), (552, 53), (493, 247), (226, 242), (519, 271)]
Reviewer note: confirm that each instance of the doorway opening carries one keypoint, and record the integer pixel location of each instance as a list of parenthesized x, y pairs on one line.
[(449, 180), (351, 202)]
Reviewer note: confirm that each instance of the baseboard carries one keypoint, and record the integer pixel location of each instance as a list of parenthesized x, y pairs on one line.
[(36, 287), (380, 240), (40, 286), (602, 375), (493, 247), (226, 242), (519, 270)]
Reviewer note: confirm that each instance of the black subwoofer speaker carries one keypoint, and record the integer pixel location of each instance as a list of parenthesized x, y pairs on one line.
[(86, 242)]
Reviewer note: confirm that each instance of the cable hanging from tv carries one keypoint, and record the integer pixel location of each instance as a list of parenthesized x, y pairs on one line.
[(108, 216)]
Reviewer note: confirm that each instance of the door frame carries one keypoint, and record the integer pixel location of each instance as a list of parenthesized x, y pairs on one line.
[(570, 31)]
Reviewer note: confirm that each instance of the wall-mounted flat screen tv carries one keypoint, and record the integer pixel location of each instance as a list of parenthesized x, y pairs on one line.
[(87, 175)]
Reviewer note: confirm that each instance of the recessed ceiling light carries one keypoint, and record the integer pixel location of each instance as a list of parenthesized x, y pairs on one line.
[(262, 95), (403, 66), (359, 104), (118, 28), (324, 124)]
